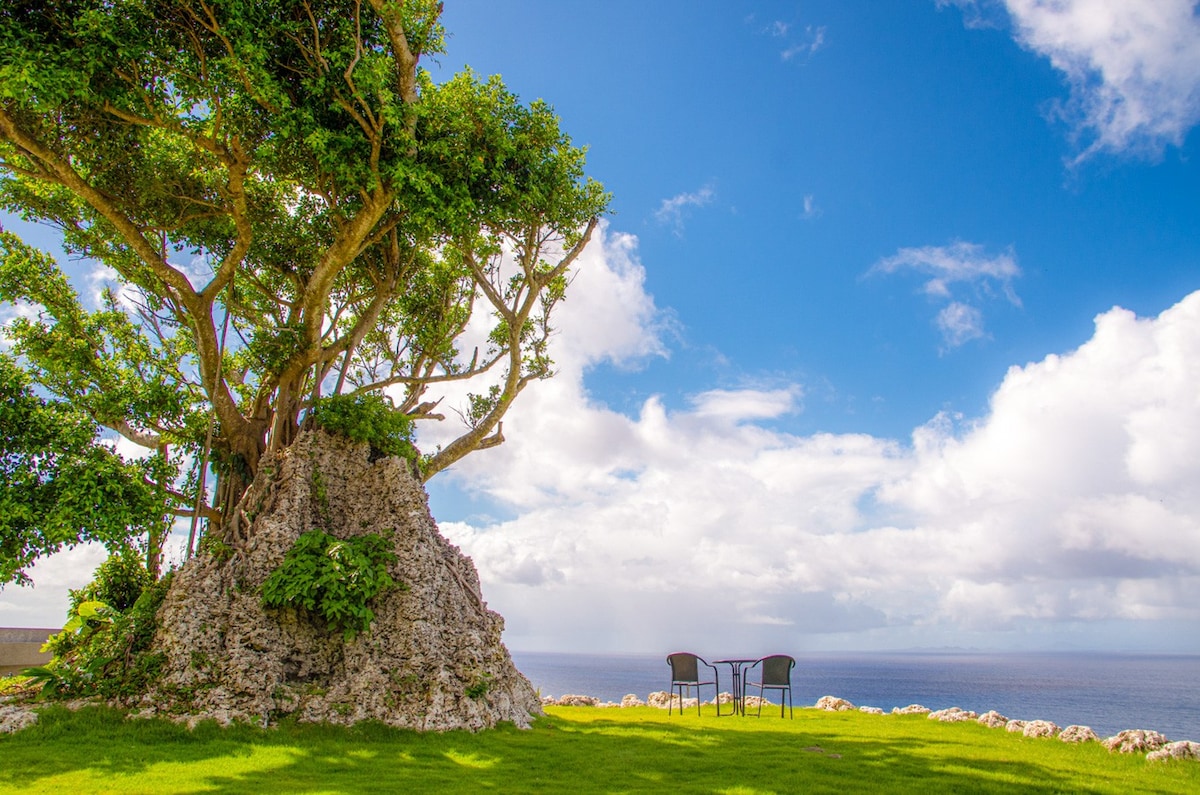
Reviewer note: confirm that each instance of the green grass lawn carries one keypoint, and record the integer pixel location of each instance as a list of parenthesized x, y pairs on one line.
[(573, 749)]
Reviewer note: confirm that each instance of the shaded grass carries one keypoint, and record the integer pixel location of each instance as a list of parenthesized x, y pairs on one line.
[(580, 749)]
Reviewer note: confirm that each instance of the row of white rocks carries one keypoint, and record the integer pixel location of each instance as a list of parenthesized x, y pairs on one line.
[(14, 717), (1131, 741)]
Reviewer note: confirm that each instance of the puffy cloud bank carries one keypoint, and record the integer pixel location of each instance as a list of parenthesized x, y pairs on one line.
[(1067, 516), (1070, 508)]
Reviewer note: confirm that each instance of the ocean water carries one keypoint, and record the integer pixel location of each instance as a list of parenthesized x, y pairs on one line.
[(1109, 692)]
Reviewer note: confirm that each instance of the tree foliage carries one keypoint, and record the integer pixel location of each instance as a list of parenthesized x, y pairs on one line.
[(288, 208), (59, 486), (118, 583)]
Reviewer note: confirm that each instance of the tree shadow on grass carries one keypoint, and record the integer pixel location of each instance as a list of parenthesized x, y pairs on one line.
[(97, 748)]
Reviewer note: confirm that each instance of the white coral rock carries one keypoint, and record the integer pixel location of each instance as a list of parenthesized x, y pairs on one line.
[(1078, 734), (834, 704), (911, 709), (1135, 741), (1185, 749), (992, 719), (14, 718), (953, 715), (1041, 728)]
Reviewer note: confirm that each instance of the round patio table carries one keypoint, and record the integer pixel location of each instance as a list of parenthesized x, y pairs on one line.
[(735, 668)]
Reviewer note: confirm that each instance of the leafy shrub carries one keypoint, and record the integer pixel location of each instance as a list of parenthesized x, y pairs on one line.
[(333, 578), (368, 417), (141, 620), (83, 617), (104, 651), (115, 586), (118, 582), (12, 684)]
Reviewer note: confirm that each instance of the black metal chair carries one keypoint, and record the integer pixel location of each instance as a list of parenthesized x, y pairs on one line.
[(774, 673), (685, 674)]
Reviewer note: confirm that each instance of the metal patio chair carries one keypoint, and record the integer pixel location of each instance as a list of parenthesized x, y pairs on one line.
[(685, 674), (774, 673)]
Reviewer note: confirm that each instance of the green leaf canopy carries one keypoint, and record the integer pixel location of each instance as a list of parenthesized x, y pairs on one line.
[(289, 208)]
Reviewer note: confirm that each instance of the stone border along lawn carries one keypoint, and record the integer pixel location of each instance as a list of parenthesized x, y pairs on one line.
[(1156, 746), (15, 716)]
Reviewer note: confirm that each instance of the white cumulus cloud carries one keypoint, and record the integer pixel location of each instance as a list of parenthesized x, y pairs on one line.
[(1073, 497), (1133, 66), (948, 268), (1067, 507), (812, 40), (674, 210), (960, 323), (1067, 514)]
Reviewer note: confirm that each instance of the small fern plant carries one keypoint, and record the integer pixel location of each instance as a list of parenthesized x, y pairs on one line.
[(333, 578)]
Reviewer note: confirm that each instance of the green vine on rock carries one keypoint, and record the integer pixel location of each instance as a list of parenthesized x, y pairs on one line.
[(333, 578), (479, 687)]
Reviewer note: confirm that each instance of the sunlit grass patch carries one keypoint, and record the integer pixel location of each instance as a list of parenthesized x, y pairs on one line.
[(471, 760)]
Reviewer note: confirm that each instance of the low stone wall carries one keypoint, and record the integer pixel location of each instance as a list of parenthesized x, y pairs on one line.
[(21, 648)]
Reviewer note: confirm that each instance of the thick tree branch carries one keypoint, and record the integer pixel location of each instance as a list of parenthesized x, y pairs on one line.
[(406, 59), (58, 170), (151, 441)]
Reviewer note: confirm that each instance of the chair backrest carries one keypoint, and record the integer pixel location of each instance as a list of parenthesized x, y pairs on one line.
[(777, 669), (683, 667)]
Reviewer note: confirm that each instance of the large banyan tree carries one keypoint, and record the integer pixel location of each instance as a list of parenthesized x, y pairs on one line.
[(287, 208)]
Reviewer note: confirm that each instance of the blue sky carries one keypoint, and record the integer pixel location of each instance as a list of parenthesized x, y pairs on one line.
[(864, 214), (892, 339), (805, 142)]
